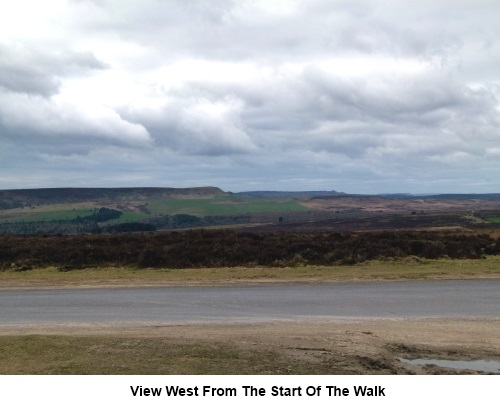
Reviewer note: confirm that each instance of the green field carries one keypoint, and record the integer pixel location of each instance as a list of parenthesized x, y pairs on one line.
[(495, 220), (82, 217), (223, 206), (43, 215), (198, 207)]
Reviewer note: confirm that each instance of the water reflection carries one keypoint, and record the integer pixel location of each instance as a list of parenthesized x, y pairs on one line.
[(486, 366)]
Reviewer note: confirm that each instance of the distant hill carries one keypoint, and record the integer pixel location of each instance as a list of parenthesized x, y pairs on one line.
[(288, 194), (442, 196), (25, 197), (408, 196), (464, 196), (143, 209)]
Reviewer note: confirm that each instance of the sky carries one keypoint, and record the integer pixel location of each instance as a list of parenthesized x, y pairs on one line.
[(356, 96)]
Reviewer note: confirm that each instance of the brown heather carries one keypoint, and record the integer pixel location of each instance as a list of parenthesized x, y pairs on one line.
[(224, 248)]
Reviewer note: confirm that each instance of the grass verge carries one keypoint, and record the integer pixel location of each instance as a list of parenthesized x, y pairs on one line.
[(406, 269), (37, 354)]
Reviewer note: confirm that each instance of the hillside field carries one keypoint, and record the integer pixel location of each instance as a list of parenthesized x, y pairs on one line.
[(82, 211)]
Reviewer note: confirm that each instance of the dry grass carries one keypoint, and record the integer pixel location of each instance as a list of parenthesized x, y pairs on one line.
[(39, 354), (404, 269)]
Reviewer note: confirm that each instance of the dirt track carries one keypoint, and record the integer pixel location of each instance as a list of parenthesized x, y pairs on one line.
[(343, 347)]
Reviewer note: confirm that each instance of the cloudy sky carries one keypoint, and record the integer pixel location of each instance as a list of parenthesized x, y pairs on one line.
[(350, 95)]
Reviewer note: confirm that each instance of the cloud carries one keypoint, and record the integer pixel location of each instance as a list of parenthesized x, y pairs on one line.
[(196, 126), (358, 96), (31, 71), (60, 128)]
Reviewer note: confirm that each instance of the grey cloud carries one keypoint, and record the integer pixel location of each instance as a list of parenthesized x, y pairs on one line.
[(318, 110), (185, 126), (63, 129), (30, 71)]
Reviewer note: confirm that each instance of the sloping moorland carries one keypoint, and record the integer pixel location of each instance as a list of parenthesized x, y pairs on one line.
[(121, 210), (81, 228)]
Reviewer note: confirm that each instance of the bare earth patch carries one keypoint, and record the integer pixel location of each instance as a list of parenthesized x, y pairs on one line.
[(345, 346)]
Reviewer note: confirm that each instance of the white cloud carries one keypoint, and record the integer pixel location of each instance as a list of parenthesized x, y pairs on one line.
[(355, 95)]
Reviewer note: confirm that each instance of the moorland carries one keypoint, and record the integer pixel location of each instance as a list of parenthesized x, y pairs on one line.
[(206, 227), (111, 211), (79, 238)]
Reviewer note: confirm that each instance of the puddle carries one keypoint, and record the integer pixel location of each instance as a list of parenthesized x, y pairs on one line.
[(487, 366)]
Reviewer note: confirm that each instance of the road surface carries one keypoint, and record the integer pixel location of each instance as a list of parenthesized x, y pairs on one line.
[(413, 299)]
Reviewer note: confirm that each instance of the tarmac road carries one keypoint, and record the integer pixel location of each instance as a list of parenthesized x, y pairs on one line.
[(412, 299)]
